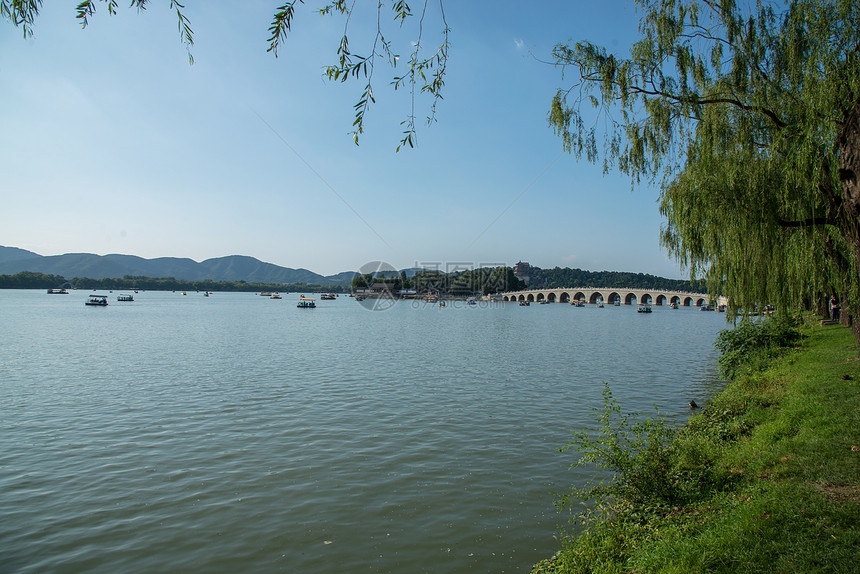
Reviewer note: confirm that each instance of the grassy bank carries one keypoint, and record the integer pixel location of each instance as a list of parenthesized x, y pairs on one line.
[(765, 479)]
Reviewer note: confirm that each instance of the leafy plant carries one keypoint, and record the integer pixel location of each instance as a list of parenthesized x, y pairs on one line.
[(632, 456), (753, 341)]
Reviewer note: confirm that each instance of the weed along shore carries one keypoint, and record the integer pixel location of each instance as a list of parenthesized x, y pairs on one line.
[(765, 478)]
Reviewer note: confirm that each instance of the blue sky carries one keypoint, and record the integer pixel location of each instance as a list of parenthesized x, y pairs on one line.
[(112, 143)]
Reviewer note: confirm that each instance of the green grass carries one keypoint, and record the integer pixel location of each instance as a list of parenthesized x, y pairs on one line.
[(765, 479)]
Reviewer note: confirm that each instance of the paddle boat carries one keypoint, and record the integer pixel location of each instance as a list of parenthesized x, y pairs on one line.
[(306, 303)]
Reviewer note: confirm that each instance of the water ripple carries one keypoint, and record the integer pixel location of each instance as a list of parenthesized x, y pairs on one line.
[(239, 433)]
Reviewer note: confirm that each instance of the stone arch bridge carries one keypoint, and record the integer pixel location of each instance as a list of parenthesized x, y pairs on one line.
[(609, 295)]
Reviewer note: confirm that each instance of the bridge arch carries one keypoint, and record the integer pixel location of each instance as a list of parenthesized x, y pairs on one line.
[(609, 295)]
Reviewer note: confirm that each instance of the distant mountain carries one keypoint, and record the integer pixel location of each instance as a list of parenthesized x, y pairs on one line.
[(230, 268), (343, 278), (14, 254), (243, 268)]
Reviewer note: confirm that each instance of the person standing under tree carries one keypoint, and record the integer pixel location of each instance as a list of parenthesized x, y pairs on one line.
[(834, 308)]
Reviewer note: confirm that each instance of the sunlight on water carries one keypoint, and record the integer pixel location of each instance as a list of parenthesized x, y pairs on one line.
[(239, 433)]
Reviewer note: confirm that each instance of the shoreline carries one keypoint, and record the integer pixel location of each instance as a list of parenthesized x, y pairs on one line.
[(772, 471)]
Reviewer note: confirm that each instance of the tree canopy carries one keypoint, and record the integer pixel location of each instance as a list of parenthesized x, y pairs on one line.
[(747, 119)]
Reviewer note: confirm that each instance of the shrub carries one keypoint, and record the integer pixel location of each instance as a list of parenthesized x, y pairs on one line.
[(633, 456), (752, 342)]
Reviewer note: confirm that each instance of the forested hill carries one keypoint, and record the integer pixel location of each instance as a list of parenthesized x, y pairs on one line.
[(566, 277)]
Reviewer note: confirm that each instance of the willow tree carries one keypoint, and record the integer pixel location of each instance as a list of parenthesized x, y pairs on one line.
[(747, 119)]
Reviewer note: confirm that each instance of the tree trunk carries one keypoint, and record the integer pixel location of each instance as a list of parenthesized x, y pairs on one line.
[(849, 178)]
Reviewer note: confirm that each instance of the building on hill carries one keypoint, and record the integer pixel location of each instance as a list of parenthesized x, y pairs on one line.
[(522, 270)]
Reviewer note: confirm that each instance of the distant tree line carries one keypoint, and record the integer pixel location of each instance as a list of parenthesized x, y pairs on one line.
[(488, 281), (558, 277), (30, 280), (483, 281)]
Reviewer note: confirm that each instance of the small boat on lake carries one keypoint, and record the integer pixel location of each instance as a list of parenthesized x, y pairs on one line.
[(57, 292), (276, 295), (97, 300), (524, 303), (328, 296), (306, 303), (124, 297), (644, 309)]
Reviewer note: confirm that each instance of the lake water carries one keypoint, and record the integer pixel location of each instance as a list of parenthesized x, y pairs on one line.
[(236, 433)]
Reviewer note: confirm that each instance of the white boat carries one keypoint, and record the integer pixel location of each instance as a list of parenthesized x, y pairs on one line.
[(124, 297), (97, 300), (644, 309)]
